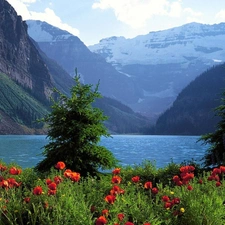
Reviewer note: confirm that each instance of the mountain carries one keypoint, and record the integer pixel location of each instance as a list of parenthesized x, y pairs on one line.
[(27, 77), (193, 112), (26, 84), (162, 63), (70, 53)]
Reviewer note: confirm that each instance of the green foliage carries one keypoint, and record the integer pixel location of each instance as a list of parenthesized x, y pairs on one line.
[(216, 140), (19, 104), (194, 106), (75, 131), (84, 201)]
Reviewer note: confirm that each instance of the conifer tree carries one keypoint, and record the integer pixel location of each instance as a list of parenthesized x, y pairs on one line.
[(75, 130), (216, 152)]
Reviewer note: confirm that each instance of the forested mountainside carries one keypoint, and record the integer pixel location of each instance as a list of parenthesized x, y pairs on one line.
[(193, 111), (27, 77)]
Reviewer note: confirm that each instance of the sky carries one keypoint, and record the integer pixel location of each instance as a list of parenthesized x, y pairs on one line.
[(93, 20)]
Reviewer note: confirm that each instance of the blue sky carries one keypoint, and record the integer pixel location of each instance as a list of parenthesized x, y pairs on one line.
[(93, 20)]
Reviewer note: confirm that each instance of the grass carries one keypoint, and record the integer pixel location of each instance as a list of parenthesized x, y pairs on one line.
[(138, 195)]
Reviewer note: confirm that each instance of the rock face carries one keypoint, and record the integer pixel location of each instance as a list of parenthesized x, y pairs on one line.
[(20, 59), (162, 63)]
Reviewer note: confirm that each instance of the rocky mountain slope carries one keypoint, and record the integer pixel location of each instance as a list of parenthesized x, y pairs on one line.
[(162, 63), (27, 77), (193, 112), (70, 53)]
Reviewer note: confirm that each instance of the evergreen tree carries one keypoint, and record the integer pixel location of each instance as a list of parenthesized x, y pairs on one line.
[(216, 153), (75, 129)]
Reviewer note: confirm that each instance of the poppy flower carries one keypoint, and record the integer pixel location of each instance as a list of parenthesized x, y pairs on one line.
[(155, 190), (116, 190), (165, 198), (37, 190), (148, 185), (14, 171), (129, 223), (110, 199), (67, 173), (51, 192), (105, 212), (58, 179), (176, 178), (120, 216), (189, 187), (52, 186), (48, 181), (168, 205), (116, 180), (2, 168), (13, 183), (135, 179), (116, 171), (75, 176), (26, 199), (218, 183), (101, 220), (222, 169), (60, 165)]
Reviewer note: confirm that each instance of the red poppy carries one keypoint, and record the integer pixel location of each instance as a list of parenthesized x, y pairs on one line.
[(58, 179), (48, 181), (116, 190), (14, 171), (216, 171), (148, 185), (75, 176), (67, 173), (2, 168), (135, 179), (165, 198), (26, 199), (101, 220), (116, 171), (105, 212), (13, 183), (176, 178), (155, 190), (189, 187), (222, 168), (167, 205), (176, 201), (120, 216), (37, 190), (60, 165), (116, 180), (51, 192), (52, 186), (110, 199), (129, 223), (218, 183), (200, 181)]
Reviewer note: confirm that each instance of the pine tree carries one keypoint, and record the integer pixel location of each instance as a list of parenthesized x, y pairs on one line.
[(216, 152), (75, 130)]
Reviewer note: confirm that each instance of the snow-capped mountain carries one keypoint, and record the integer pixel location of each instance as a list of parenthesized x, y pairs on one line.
[(70, 53), (146, 72), (164, 62)]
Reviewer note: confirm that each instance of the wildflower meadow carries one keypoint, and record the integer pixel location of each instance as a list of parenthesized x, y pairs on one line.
[(138, 195)]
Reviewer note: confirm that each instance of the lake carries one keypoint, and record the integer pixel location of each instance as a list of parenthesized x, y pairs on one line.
[(26, 150)]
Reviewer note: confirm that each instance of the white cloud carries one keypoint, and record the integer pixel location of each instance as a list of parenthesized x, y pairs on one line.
[(136, 13), (48, 15), (220, 16), (192, 16)]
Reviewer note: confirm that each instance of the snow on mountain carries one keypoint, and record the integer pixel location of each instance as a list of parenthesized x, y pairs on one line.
[(176, 45), (43, 32), (162, 63)]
